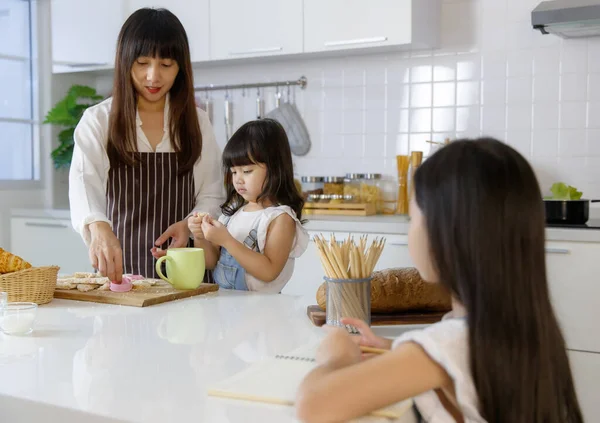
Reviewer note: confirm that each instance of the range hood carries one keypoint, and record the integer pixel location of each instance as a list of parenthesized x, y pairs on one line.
[(567, 18)]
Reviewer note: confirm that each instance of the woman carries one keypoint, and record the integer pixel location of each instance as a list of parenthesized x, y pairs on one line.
[(145, 159)]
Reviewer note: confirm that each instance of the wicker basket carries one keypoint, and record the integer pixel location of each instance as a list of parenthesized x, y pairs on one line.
[(34, 285)]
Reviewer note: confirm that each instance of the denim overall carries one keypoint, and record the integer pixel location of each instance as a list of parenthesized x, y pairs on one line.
[(228, 273)]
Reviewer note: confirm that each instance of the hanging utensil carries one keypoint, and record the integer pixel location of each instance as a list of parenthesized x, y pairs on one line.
[(228, 108), (288, 115), (260, 105), (207, 105)]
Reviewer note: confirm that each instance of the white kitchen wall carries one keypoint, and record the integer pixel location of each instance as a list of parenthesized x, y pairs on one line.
[(493, 75)]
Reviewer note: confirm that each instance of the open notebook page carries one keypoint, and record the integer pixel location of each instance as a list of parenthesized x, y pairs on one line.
[(276, 380)]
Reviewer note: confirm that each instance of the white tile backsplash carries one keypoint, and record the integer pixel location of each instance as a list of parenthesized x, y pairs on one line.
[(493, 75)]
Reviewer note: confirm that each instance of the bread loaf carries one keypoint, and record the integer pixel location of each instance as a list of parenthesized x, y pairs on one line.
[(401, 289), (10, 263)]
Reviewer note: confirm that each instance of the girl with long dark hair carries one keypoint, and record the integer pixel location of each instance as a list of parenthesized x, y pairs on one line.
[(478, 228)]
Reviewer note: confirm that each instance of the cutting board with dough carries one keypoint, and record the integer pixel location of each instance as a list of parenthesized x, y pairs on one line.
[(138, 297)]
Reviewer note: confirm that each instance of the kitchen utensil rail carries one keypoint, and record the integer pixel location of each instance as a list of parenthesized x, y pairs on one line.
[(299, 82)]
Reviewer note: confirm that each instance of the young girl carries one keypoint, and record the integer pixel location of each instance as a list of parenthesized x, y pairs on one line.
[(477, 227), (254, 243), (146, 158)]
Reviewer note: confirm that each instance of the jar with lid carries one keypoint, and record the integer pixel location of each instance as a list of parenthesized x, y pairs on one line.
[(336, 199), (370, 191), (389, 195), (333, 185), (311, 185), (352, 183)]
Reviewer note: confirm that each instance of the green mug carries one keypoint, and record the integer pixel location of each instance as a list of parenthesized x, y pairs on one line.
[(185, 267)]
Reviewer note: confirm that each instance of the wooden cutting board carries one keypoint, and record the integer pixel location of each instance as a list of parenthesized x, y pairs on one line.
[(319, 317), (136, 297)]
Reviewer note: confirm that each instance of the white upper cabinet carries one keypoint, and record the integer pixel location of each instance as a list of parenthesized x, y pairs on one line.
[(352, 24), (194, 16), (84, 33), (242, 28)]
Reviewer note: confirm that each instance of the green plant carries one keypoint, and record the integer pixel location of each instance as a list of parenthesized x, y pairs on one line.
[(67, 113)]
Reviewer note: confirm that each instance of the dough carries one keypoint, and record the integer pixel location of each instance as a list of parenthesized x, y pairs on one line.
[(86, 287)]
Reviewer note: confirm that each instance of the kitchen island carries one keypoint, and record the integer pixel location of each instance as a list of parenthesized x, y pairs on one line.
[(88, 362)]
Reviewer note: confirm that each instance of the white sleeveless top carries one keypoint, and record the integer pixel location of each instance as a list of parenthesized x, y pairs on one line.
[(446, 343), (240, 225)]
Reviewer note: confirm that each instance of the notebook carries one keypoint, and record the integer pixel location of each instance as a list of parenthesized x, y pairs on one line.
[(276, 380)]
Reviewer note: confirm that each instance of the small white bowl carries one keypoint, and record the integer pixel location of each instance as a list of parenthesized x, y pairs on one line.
[(18, 318)]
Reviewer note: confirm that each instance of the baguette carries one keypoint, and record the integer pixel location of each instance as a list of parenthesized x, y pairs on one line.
[(401, 289)]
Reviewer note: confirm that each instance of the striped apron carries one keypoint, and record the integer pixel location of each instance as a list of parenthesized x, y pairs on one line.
[(142, 202)]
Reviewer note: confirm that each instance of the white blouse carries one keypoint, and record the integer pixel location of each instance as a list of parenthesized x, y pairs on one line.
[(240, 225), (88, 175), (447, 343)]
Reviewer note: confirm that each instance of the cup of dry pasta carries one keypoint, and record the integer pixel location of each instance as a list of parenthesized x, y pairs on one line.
[(348, 269)]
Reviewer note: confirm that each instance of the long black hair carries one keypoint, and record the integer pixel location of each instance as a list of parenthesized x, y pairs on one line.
[(262, 141), (153, 33), (485, 221)]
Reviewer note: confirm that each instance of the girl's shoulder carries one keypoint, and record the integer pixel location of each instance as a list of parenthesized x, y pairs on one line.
[(301, 238), (450, 331)]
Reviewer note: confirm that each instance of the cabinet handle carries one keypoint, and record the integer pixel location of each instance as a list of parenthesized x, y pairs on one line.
[(46, 225), (400, 244), (558, 251), (356, 41), (256, 50), (86, 65)]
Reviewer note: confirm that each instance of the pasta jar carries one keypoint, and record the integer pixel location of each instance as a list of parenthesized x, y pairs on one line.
[(352, 183), (311, 185), (333, 185), (370, 191)]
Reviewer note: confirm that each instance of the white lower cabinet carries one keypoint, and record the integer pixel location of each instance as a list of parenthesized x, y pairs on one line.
[(574, 280), (48, 242), (585, 367)]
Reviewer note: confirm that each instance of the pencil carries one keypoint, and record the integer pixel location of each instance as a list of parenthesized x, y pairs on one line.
[(373, 350)]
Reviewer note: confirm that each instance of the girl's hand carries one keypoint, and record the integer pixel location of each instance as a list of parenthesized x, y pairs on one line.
[(338, 349), (214, 231), (195, 226), (367, 338)]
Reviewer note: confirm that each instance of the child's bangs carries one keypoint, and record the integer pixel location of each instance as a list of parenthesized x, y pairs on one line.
[(236, 153)]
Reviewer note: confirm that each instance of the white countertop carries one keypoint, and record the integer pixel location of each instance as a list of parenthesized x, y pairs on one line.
[(149, 364), (378, 224)]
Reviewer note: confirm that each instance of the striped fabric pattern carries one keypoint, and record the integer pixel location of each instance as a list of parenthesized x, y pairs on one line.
[(142, 202)]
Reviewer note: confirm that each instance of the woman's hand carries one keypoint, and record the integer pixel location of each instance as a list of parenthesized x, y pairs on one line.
[(367, 338), (215, 232), (105, 251), (180, 235), (338, 349)]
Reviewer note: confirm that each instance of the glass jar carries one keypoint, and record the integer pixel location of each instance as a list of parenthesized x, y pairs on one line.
[(348, 298), (370, 191), (333, 185), (389, 195), (313, 198), (311, 185), (336, 199), (350, 199), (352, 183)]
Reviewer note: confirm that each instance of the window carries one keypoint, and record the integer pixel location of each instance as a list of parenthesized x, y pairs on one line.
[(19, 131)]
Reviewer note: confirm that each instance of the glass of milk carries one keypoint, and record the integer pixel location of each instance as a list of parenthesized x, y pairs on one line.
[(18, 318)]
